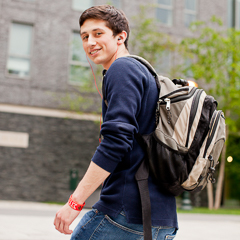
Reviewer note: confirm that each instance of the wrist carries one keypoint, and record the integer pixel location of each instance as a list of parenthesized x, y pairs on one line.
[(76, 198), (74, 205)]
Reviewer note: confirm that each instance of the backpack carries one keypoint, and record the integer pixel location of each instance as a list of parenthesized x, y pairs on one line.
[(183, 150)]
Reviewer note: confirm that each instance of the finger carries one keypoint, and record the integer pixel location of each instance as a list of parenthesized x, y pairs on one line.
[(66, 229), (60, 229), (57, 222)]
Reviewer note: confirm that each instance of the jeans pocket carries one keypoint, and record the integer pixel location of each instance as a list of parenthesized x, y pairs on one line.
[(171, 236), (108, 229), (84, 224), (88, 217)]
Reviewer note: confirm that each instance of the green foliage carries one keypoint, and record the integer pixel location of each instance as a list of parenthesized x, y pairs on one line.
[(77, 102), (213, 56), (146, 41), (212, 211), (83, 97)]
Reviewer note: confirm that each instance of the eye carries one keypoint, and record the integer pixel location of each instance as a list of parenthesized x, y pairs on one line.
[(84, 37), (98, 33)]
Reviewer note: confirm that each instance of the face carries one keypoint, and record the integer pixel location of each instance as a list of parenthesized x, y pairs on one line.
[(98, 42)]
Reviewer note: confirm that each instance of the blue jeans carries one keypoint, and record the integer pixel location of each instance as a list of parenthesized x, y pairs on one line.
[(97, 225)]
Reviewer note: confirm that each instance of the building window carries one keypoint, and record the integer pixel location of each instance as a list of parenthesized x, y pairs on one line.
[(20, 45), (190, 12), (79, 72), (164, 10), (82, 5)]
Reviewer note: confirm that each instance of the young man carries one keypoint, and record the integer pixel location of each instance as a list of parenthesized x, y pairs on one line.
[(131, 96)]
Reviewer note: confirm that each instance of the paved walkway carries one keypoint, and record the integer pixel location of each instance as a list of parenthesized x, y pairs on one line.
[(34, 221)]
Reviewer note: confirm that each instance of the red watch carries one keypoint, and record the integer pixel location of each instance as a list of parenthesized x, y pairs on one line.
[(75, 205)]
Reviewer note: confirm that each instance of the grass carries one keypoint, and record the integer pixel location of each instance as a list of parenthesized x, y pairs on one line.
[(213, 211), (202, 210)]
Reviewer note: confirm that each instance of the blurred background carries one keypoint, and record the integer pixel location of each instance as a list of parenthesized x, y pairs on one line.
[(50, 109)]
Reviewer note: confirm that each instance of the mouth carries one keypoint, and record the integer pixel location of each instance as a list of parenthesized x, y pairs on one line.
[(93, 52)]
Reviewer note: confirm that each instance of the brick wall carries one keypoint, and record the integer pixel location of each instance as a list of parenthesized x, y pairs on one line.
[(41, 171)]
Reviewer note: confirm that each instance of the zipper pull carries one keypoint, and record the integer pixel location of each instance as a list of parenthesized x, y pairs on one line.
[(169, 114), (167, 101)]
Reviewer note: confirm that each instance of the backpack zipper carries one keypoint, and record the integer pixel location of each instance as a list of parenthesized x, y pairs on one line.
[(168, 101), (178, 90), (178, 98)]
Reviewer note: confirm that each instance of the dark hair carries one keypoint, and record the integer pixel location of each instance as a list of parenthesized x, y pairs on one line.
[(115, 19)]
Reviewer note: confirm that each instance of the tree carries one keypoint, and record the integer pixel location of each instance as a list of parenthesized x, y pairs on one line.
[(147, 42), (213, 58)]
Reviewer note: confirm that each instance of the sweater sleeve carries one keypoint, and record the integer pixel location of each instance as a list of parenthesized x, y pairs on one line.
[(124, 91)]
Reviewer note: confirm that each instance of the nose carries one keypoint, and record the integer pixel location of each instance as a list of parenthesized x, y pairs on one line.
[(91, 41)]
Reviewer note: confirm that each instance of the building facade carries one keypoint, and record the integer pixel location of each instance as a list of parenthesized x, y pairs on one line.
[(44, 147)]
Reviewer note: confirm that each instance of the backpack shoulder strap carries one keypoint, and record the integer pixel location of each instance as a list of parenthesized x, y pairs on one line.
[(148, 66), (146, 63), (142, 181)]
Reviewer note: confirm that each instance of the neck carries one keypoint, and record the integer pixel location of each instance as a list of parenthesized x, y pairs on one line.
[(120, 52)]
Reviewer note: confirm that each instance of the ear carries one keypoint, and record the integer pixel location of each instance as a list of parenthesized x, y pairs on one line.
[(121, 37)]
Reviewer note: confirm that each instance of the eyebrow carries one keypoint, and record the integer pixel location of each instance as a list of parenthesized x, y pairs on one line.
[(94, 30)]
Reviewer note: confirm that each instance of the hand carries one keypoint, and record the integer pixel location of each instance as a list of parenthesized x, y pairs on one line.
[(64, 218)]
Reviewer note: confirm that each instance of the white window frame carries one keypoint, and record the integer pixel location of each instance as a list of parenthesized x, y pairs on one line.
[(190, 12), (28, 57), (230, 10), (165, 7), (75, 63), (237, 14), (233, 17)]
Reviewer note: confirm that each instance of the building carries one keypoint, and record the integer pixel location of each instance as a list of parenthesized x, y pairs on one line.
[(44, 147)]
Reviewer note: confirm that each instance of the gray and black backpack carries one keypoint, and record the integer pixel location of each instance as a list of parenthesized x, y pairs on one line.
[(182, 152)]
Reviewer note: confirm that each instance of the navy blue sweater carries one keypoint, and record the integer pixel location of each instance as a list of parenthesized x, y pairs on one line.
[(132, 94)]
